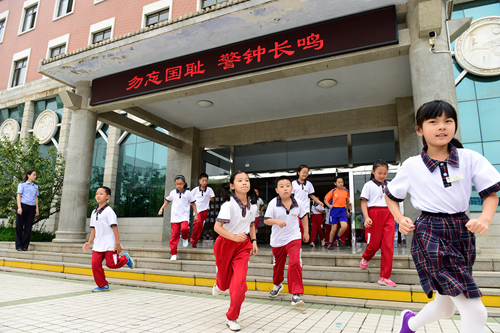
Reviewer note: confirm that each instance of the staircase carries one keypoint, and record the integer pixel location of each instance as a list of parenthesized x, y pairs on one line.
[(324, 274)]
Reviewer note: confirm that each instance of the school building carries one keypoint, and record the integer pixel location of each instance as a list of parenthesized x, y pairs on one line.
[(133, 93)]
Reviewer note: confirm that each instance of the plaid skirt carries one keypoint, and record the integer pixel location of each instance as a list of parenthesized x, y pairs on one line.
[(444, 252)]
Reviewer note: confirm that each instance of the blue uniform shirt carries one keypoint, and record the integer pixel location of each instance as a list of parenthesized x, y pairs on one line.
[(28, 193)]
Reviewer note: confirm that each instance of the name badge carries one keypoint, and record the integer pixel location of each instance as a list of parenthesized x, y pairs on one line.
[(454, 178), (295, 215)]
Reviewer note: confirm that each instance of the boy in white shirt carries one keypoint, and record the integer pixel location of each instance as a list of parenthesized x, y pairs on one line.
[(283, 214), (203, 194), (106, 240)]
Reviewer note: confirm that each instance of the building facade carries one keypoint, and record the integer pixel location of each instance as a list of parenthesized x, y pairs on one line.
[(334, 96)]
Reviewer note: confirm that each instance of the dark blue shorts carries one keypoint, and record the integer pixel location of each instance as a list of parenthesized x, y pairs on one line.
[(337, 215)]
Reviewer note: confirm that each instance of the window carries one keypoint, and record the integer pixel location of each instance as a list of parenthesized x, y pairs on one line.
[(63, 7), (157, 17), (29, 18), (2, 29), (208, 3), (54, 52), (101, 35), (19, 72)]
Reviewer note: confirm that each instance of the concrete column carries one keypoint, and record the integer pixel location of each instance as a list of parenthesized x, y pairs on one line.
[(75, 192), (28, 115), (409, 145), (112, 156), (64, 131), (431, 73), (184, 162)]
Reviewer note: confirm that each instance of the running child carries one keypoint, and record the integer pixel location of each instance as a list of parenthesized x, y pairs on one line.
[(317, 218), (236, 228), (379, 222), (104, 233), (303, 190), (203, 194), (181, 199), (260, 209), (337, 200), (443, 246), (283, 214)]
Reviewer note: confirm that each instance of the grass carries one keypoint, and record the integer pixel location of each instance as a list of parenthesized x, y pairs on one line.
[(8, 234)]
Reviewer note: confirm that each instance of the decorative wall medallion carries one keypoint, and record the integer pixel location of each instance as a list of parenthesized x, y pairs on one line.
[(46, 126), (478, 49), (10, 129)]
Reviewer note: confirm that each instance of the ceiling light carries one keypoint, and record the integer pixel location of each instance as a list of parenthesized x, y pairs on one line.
[(327, 83), (204, 104)]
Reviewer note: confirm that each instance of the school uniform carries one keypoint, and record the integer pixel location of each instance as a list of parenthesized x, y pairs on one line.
[(338, 199), (231, 258), (29, 192), (442, 248), (287, 241), (381, 233), (202, 198), (317, 222), (301, 193), (179, 216), (102, 221)]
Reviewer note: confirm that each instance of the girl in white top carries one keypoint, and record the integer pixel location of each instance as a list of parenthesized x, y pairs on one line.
[(379, 223), (181, 199), (303, 190), (203, 194), (236, 229), (443, 246)]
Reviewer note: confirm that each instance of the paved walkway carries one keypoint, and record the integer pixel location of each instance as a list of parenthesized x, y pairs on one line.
[(41, 304)]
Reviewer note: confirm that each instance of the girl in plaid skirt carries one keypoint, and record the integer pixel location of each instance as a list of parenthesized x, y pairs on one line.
[(439, 181)]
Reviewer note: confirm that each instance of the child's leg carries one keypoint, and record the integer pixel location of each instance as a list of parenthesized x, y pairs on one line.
[(373, 236), (174, 237), (223, 250), (294, 275), (441, 307), (473, 314), (97, 270), (198, 226), (387, 245), (110, 262), (238, 286), (279, 260), (185, 229), (314, 226), (319, 227), (333, 232), (343, 228), (328, 230)]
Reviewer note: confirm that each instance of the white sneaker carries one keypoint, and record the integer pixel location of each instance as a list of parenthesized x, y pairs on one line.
[(233, 325), (185, 242), (323, 243), (312, 244), (173, 257), (215, 291)]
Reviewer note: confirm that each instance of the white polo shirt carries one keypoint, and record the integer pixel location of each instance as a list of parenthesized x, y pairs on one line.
[(302, 191), (433, 192), (202, 197), (102, 221), (260, 203), (276, 210), (373, 192), (317, 209), (236, 216), (180, 205)]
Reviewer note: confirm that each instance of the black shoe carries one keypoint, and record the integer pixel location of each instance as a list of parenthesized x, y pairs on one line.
[(25, 249), (19, 249), (330, 246)]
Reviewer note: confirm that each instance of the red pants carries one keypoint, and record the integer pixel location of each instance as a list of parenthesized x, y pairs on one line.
[(294, 275), (381, 236), (198, 226), (328, 229), (231, 260), (98, 271), (317, 222), (175, 233)]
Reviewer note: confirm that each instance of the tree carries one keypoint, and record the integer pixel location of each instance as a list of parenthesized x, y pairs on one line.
[(16, 159)]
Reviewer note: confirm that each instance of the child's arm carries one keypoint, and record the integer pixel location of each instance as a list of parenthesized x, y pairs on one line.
[(328, 205), (211, 199), (218, 228), (305, 224), (364, 210), (86, 246), (481, 224), (118, 248), (195, 211), (262, 209), (280, 223), (165, 204), (253, 235), (316, 200), (405, 223)]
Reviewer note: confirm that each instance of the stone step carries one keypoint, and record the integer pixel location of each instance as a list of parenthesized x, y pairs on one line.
[(348, 289)]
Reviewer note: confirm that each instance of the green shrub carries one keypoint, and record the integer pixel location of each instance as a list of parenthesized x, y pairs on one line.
[(8, 234)]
